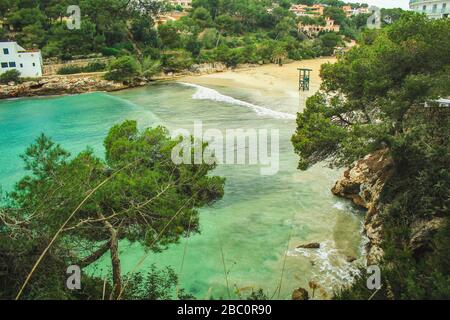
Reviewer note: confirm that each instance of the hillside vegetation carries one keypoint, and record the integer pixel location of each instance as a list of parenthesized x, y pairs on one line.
[(379, 96)]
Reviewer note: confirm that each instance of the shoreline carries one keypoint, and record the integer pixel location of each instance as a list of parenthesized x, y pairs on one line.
[(270, 77), (60, 85), (281, 84), (243, 75)]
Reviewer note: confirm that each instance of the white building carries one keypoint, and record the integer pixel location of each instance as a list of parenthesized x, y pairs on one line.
[(27, 62), (186, 4), (434, 9)]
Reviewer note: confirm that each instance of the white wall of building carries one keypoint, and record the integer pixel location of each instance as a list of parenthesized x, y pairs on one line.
[(27, 62), (434, 9)]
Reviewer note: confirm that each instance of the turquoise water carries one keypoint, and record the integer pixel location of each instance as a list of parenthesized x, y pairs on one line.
[(261, 219)]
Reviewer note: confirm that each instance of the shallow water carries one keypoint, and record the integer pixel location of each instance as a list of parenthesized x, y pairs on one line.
[(258, 223)]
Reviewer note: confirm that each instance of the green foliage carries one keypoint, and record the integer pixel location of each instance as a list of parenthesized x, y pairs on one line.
[(124, 69), (177, 60), (95, 66), (169, 34), (155, 285), (150, 67), (258, 295), (106, 51), (336, 14), (329, 42), (202, 17), (377, 86), (374, 98), (119, 28), (231, 57), (10, 76), (142, 196), (104, 23)]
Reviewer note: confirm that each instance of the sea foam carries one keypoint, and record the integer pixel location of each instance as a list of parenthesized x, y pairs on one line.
[(204, 93), (331, 267), (340, 206)]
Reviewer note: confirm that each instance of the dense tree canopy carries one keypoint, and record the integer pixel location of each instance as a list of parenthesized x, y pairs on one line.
[(136, 193), (123, 27)]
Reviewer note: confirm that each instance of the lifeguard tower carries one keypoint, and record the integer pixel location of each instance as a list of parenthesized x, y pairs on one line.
[(304, 79)]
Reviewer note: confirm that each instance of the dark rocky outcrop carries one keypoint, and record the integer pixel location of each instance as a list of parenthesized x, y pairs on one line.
[(300, 294), (312, 245)]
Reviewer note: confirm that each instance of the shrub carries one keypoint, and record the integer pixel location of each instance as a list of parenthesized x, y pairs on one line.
[(70, 70), (10, 76), (124, 69), (150, 67), (91, 67), (95, 66), (177, 60), (206, 56), (108, 52), (231, 57)]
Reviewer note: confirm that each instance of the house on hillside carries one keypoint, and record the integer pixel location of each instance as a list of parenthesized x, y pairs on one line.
[(361, 10), (185, 4), (312, 30), (304, 10), (349, 11), (27, 62)]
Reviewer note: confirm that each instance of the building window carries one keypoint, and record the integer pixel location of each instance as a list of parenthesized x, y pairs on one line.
[(5, 51), (434, 8), (4, 65), (424, 8), (21, 65), (34, 64), (444, 6), (12, 64)]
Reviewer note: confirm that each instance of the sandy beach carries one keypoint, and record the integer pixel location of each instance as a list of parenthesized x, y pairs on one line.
[(274, 80)]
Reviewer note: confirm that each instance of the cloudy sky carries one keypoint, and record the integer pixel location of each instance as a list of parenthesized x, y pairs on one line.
[(386, 3)]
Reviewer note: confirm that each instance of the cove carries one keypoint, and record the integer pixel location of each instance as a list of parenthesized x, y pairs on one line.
[(253, 232)]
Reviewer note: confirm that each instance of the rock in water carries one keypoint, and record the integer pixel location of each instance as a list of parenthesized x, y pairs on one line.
[(300, 294), (312, 245)]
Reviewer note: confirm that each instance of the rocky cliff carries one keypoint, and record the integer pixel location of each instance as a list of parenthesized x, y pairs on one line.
[(362, 184)]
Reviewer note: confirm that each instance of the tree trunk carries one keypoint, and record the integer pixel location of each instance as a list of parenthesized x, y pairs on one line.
[(115, 258), (134, 44), (115, 262)]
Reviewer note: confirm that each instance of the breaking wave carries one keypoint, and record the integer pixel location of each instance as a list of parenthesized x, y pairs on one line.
[(204, 93), (331, 267)]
